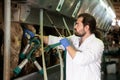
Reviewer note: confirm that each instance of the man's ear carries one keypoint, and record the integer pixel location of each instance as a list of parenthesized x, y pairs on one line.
[(87, 27)]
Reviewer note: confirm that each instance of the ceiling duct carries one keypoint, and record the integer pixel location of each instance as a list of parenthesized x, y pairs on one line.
[(57, 9), (68, 8), (29, 15)]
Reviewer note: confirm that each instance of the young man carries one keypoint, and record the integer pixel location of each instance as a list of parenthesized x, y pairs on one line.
[(84, 50)]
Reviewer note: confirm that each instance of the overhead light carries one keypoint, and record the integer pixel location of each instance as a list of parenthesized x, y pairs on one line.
[(118, 23), (115, 22)]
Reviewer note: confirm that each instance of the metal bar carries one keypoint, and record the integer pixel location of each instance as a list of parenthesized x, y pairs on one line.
[(66, 26), (53, 24), (42, 46), (7, 24)]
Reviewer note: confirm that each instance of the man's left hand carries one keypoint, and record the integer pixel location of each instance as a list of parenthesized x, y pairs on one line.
[(65, 42)]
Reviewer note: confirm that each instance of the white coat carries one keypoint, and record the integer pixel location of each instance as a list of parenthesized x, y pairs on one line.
[(86, 63)]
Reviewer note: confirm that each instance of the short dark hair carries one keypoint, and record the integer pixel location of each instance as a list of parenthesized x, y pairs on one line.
[(88, 20)]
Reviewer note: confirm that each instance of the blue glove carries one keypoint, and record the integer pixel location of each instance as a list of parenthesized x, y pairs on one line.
[(65, 42), (28, 32)]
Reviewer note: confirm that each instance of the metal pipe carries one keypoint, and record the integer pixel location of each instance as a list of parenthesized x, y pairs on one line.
[(7, 24), (42, 46), (61, 64)]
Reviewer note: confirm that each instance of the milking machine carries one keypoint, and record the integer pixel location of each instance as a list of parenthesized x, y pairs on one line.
[(34, 44)]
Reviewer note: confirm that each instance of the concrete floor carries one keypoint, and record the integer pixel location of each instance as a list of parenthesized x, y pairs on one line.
[(111, 77), (54, 72), (56, 76), (36, 76)]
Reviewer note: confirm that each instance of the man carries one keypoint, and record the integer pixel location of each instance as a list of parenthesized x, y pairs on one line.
[(84, 50)]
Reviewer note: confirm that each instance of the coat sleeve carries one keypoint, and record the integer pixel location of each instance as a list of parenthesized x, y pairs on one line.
[(53, 40), (89, 54)]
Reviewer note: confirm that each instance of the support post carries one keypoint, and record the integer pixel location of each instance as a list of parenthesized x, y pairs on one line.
[(42, 46), (7, 24)]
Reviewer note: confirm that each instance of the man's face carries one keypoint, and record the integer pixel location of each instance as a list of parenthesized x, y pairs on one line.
[(79, 28)]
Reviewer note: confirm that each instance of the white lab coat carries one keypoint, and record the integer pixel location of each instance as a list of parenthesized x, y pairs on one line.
[(86, 63)]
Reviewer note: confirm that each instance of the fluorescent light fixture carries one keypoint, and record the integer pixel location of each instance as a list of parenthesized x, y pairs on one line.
[(111, 12), (103, 4), (108, 8)]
